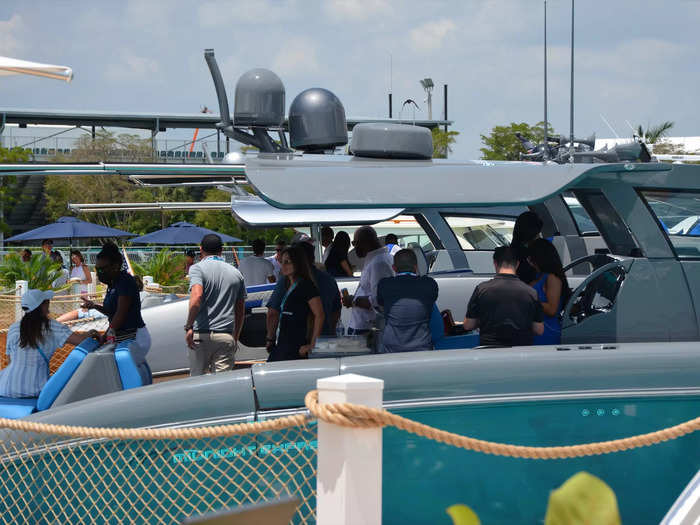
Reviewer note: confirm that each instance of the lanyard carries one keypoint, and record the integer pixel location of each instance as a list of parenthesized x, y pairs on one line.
[(286, 295), (44, 356), (213, 258)]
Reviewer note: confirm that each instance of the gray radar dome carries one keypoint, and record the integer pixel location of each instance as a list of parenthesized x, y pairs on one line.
[(259, 99), (391, 141), (317, 121)]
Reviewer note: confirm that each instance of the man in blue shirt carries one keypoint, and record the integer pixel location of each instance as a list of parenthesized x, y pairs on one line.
[(408, 302), (327, 287)]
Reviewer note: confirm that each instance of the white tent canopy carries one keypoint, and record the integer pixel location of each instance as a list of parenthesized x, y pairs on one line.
[(13, 66)]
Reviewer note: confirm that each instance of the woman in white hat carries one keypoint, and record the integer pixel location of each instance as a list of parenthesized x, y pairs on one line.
[(30, 344)]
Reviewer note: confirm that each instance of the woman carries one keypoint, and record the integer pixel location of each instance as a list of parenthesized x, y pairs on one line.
[(80, 270), (30, 344), (528, 227), (301, 302), (337, 261), (63, 279), (552, 288), (122, 305)]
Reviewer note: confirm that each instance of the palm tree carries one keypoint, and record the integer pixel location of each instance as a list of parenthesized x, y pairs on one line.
[(653, 133)]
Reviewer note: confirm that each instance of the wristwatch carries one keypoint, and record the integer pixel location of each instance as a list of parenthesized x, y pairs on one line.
[(188, 327)]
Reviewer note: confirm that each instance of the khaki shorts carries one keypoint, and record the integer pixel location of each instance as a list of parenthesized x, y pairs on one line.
[(213, 352)]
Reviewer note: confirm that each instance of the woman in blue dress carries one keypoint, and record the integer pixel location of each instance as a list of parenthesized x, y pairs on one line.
[(552, 288)]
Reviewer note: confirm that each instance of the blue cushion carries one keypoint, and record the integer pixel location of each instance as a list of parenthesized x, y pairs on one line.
[(16, 407), (437, 327), (261, 287), (128, 371), (59, 380), (455, 342)]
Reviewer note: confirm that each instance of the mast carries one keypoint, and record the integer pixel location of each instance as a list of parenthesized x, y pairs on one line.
[(571, 109), (545, 154)]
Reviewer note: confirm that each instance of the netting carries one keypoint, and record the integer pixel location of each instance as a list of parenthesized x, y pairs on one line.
[(51, 479)]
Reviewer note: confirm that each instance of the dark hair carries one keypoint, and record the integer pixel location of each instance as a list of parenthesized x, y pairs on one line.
[(367, 234), (47, 241), (139, 282), (111, 252), (56, 257), (527, 226), (258, 246), (308, 250), (504, 256), (78, 255), (545, 256), (32, 328), (327, 233), (302, 269), (27, 251), (280, 241), (405, 260), (212, 243), (190, 253), (391, 238), (339, 249)]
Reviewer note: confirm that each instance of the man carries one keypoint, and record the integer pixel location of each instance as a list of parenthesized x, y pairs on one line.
[(327, 236), (392, 243), (505, 309), (189, 260), (255, 268), (280, 245), (217, 307), (408, 303), (377, 265), (327, 288), (47, 247)]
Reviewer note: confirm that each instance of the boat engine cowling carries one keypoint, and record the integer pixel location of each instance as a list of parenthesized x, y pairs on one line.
[(259, 100), (317, 121)]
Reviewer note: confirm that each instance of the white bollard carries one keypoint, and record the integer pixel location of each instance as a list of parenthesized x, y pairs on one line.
[(20, 289), (349, 474), (92, 287)]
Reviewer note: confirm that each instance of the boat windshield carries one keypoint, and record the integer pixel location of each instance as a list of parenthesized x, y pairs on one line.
[(678, 213)]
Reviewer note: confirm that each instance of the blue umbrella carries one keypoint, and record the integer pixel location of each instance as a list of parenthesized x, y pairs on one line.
[(181, 233), (69, 228)]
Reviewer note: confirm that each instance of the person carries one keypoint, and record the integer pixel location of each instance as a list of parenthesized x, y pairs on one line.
[(122, 306), (216, 310), (80, 270), (528, 227), (336, 262), (505, 309), (326, 241), (190, 256), (551, 286), (328, 291), (301, 303), (408, 302), (30, 344), (256, 269), (275, 259), (62, 280), (391, 241), (26, 255), (378, 264), (47, 247)]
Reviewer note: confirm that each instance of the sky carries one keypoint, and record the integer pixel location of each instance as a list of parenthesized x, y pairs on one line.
[(635, 61)]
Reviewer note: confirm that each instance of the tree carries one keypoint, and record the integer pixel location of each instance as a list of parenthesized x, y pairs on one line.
[(8, 185), (652, 134), (441, 142), (502, 144)]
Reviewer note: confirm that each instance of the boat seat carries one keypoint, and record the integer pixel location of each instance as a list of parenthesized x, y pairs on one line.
[(14, 408), (442, 340)]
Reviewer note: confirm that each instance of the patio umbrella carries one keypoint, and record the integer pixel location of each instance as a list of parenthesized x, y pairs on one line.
[(181, 233), (69, 228), (13, 66)]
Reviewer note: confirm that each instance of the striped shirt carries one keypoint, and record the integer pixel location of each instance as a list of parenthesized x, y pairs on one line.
[(28, 371)]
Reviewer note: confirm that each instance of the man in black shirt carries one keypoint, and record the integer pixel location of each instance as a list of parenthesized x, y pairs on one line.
[(505, 309)]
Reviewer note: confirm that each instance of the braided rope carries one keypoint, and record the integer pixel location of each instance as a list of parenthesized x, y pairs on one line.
[(358, 416)]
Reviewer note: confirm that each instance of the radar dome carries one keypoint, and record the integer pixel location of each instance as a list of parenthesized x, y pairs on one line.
[(259, 99), (317, 121), (391, 141)]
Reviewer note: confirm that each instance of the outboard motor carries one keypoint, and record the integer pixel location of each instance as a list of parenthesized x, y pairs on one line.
[(317, 121)]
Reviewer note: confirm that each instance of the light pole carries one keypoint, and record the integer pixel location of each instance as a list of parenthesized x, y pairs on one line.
[(428, 86)]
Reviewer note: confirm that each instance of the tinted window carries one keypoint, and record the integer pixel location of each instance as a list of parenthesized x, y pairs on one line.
[(475, 233), (678, 213), (609, 223), (583, 221)]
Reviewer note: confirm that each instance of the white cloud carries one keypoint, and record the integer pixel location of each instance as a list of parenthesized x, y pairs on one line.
[(10, 29), (131, 67), (356, 10), (217, 13), (430, 36), (297, 58)]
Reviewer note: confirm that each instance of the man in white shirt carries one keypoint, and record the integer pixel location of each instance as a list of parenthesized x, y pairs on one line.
[(280, 245), (377, 265), (256, 269), (326, 241)]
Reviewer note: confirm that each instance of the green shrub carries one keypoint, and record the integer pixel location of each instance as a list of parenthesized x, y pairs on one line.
[(40, 271), (166, 268)]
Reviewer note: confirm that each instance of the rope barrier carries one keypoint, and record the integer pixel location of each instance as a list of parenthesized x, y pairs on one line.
[(358, 416)]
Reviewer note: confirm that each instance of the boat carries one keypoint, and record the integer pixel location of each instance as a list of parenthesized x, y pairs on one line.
[(628, 363)]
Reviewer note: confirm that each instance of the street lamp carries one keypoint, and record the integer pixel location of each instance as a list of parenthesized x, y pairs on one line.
[(428, 86)]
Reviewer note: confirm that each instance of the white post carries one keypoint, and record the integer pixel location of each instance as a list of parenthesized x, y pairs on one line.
[(20, 289), (349, 475), (92, 287)]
